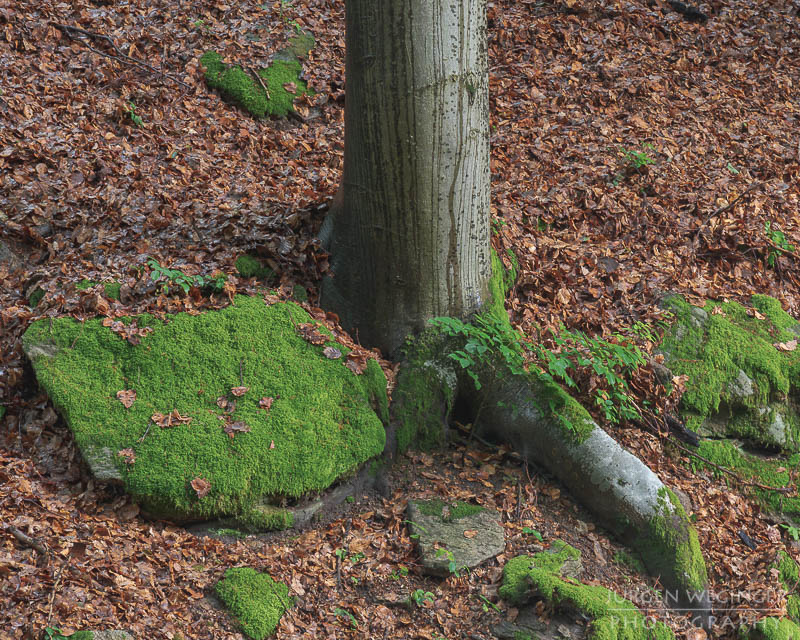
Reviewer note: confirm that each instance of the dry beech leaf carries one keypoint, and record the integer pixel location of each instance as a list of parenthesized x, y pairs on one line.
[(331, 352), (236, 427), (239, 391), (266, 403), (128, 455), (356, 363), (127, 397), (290, 87), (201, 487), (222, 402), (169, 420), (786, 346), (470, 533)]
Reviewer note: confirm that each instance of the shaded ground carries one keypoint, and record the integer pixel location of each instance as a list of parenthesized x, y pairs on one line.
[(87, 193)]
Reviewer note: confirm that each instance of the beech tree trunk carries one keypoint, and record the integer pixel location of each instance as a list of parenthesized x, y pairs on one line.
[(409, 230)]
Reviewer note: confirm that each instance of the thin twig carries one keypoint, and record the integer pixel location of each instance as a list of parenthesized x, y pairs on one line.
[(727, 207), (260, 81), (25, 539), (56, 584), (74, 33)]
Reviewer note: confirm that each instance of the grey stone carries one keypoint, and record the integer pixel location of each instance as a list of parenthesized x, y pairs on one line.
[(699, 317), (8, 257), (112, 635), (101, 463), (437, 532), (529, 623), (741, 387), (776, 428)]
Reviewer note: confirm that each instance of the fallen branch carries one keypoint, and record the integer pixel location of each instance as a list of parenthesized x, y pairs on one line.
[(25, 539), (260, 81), (75, 33)]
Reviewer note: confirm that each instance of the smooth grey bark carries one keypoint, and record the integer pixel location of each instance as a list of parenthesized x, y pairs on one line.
[(409, 229)]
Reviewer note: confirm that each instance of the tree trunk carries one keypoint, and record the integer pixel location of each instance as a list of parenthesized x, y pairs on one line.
[(409, 230)]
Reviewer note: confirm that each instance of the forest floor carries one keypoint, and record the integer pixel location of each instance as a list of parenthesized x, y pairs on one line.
[(581, 92)]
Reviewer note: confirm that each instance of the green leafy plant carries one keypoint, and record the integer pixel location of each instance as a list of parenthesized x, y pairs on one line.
[(487, 604), (415, 536), (451, 561), (793, 532), (401, 572), (346, 615), (779, 243), (420, 597), (637, 160), (178, 278), (135, 118), (533, 532)]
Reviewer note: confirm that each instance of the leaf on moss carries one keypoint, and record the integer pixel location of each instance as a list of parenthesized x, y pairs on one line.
[(290, 87), (331, 352), (786, 346), (127, 397), (232, 428), (239, 391), (310, 333), (356, 362), (201, 487), (128, 455), (169, 420), (266, 403)]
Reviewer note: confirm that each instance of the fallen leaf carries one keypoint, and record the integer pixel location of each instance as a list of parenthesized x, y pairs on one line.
[(126, 397), (236, 427), (266, 403), (290, 87), (357, 363), (786, 346), (311, 333), (332, 353), (201, 487), (271, 444), (239, 391), (170, 420), (470, 533), (128, 455)]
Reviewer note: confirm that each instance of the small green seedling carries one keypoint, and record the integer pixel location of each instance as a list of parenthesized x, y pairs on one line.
[(177, 277), (452, 567), (533, 532), (401, 572), (135, 118), (793, 532), (779, 243), (486, 604), (637, 160), (346, 615), (420, 597)]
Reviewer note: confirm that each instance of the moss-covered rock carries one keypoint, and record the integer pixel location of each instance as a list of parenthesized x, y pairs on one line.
[(254, 599), (739, 384), (282, 79), (233, 409), (771, 629), (612, 616), (789, 576)]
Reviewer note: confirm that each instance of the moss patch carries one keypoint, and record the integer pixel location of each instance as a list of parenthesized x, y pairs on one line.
[(789, 576), (250, 267), (771, 629), (771, 472), (715, 345), (456, 510), (240, 87), (255, 600), (111, 289), (613, 617), (320, 423)]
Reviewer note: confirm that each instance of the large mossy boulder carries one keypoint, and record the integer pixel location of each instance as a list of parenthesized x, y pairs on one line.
[(742, 371), (232, 412)]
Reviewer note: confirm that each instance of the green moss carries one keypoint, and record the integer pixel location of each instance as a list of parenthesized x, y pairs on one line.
[(457, 510), (299, 293), (713, 350), (36, 297), (789, 576), (112, 290), (250, 267), (266, 518), (670, 546), (771, 629), (301, 44), (519, 635), (85, 284), (231, 533), (255, 600), (2, 411), (510, 275), (320, 425), (613, 617), (552, 400), (241, 88), (629, 561), (777, 472)]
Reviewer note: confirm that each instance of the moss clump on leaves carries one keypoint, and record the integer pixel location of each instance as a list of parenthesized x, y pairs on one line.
[(789, 576), (613, 617), (255, 600), (771, 629), (36, 297), (240, 87), (266, 518), (251, 267), (455, 510), (714, 345), (111, 289), (301, 420)]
